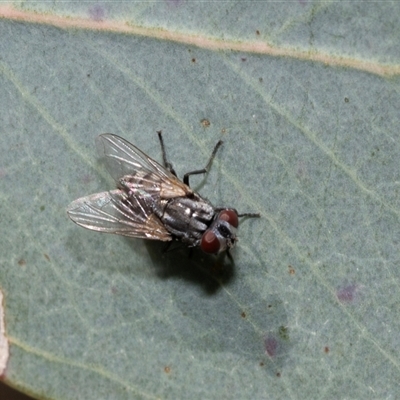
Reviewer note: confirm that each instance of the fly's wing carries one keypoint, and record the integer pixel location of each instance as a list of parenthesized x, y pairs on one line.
[(128, 165), (115, 212)]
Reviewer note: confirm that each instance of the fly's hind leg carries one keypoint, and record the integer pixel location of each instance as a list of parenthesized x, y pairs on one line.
[(204, 170), (167, 164)]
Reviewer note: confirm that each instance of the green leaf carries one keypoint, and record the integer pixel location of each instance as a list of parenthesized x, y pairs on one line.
[(308, 108)]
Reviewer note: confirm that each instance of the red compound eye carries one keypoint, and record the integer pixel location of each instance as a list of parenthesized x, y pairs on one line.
[(230, 216), (210, 243)]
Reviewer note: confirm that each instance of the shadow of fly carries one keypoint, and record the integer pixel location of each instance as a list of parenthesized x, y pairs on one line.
[(150, 202)]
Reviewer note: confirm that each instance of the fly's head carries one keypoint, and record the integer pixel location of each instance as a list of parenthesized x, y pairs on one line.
[(221, 235)]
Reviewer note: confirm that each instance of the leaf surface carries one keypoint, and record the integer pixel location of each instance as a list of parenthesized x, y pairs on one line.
[(310, 307)]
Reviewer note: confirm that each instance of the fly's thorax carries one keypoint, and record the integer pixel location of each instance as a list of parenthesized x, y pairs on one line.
[(221, 235), (187, 218)]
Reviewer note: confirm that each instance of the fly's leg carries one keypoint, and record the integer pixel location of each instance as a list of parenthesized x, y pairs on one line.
[(167, 164), (250, 215), (167, 247), (228, 253), (204, 170)]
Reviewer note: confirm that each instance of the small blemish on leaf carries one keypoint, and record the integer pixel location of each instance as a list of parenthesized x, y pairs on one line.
[(46, 256), (21, 262), (243, 314), (97, 13), (271, 346), (348, 293), (86, 179), (193, 60), (205, 122), (373, 153), (292, 271), (346, 100), (284, 333), (326, 349), (257, 32), (167, 369), (42, 208)]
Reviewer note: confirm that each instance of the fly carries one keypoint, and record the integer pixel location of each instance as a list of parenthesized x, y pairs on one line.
[(150, 202)]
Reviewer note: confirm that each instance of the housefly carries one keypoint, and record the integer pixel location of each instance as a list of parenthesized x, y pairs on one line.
[(150, 202)]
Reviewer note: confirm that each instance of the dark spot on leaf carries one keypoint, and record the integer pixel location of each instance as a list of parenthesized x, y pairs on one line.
[(167, 369), (21, 262), (205, 122), (243, 314), (271, 346), (257, 32), (86, 178), (278, 374), (284, 333), (291, 270), (347, 293), (346, 100), (46, 256), (193, 60), (326, 349), (42, 208)]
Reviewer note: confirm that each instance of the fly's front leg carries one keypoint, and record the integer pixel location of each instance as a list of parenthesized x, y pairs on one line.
[(248, 215), (167, 165), (228, 253), (204, 170)]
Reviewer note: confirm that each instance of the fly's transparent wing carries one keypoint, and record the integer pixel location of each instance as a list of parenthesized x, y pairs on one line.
[(115, 212), (123, 159)]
